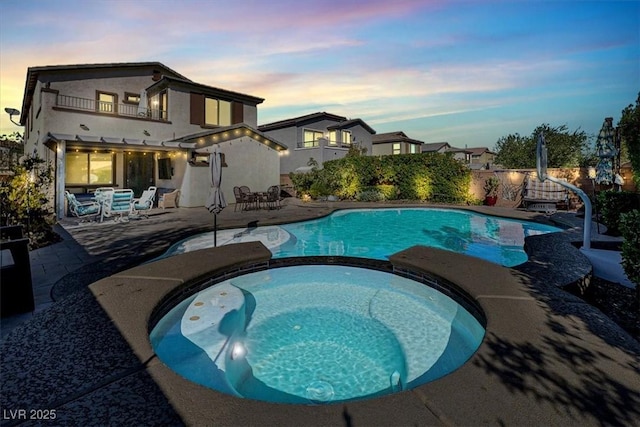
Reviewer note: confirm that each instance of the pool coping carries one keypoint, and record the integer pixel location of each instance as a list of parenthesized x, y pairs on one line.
[(536, 364)]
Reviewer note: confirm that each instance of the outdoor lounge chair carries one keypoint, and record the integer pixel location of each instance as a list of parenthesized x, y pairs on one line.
[(118, 204), (144, 203), (169, 200), (81, 210), (543, 196)]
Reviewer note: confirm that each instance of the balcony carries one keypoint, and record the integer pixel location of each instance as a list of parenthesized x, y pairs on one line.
[(120, 110)]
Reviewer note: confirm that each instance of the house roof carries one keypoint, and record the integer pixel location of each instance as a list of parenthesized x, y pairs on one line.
[(33, 73), (478, 151), (398, 136), (169, 81), (343, 122), (353, 122), (434, 146), (226, 133)]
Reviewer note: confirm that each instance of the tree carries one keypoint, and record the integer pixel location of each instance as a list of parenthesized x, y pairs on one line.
[(564, 148), (515, 151), (629, 128)]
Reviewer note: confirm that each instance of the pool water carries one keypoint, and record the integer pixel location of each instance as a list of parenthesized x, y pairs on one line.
[(316, 334), (378, 233)]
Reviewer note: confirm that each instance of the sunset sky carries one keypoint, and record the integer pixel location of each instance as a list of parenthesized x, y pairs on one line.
[(466, 72)]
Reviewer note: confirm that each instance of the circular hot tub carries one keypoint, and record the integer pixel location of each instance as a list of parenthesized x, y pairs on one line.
[(316, 334)]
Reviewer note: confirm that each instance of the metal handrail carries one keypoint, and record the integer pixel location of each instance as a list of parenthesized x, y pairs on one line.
[(128, 110)]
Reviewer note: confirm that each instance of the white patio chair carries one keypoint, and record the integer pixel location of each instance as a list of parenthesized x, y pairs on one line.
[(144, 203), (118, 204), (81, 210)]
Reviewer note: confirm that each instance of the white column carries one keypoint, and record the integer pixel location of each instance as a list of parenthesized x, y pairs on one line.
[(60, 174)]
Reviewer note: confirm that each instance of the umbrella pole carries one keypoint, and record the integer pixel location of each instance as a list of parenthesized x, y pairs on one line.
[(215, 230)]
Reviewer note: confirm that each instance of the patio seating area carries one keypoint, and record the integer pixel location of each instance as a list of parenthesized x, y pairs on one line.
[(548, 357), (245, 199)]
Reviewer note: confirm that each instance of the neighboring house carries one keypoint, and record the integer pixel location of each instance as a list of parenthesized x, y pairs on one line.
[(435, 147), (321, 136), (395, 143), (462, 154), (482, 156), (114, 124)]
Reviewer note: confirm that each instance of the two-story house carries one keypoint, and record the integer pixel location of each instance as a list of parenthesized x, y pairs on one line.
[(319, 136), (482, 157), (395, 143), (115, 124), (461, 154)]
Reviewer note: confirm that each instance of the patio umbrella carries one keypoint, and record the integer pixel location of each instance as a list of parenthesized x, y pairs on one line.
[(606, 151), (142, 105), (215, 201)]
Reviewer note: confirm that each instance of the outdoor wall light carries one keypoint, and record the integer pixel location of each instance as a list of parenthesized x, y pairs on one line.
[(84, 127), (592, 172), (12, 112)]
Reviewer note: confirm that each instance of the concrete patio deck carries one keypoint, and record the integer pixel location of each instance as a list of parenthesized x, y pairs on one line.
[(553, 359)]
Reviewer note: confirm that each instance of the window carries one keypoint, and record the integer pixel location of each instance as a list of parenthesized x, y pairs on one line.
[(217, 112), (131, 98), (346, 137), (89, 168), (396, 148), (106, 102), (333, 137), (158, 105), (310, 139), (413, 148)]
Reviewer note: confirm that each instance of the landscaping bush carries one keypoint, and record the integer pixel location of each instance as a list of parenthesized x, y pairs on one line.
[(630, 227), (611, 204), (429, 177), (369, 195), (24, 201)]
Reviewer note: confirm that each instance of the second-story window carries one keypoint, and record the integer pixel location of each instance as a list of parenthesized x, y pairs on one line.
[(346, 137), (106, 102), (158, 105), (333, 137), (217, 112), (310, 138)]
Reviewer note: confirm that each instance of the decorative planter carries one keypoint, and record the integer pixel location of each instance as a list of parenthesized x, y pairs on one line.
[(490, 200)]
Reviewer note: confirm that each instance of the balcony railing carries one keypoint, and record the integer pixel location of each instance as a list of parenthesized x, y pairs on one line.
[(316, 144), (127, 110)]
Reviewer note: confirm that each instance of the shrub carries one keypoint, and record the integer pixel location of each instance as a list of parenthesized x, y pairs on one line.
[(369, 195), (611, 204), (387, 191), (24, 201), (630, 227)]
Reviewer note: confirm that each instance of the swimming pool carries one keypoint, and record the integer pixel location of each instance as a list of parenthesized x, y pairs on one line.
[(378, 233), (316, 334)]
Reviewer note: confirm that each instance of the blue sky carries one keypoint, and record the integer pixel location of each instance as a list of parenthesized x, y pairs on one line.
[(466, 72)]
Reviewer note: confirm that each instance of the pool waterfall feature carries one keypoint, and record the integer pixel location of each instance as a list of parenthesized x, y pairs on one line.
[(228, 357)]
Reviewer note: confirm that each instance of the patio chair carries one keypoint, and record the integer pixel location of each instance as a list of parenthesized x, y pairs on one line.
[(244, 198), (250, 199), (144, 203), (118, 204), (81, 210), (273, 197), (169, 200)]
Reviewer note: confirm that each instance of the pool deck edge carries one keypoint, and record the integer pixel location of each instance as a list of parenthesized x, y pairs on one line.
[(529, 369)]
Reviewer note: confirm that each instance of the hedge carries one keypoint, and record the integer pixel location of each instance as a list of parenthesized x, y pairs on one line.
[(428, 176), (611, 204)]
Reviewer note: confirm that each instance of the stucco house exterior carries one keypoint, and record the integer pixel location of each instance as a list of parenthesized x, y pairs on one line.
[(115, 124), (482, 156), (462, 154), (394, 143), (321, 136)]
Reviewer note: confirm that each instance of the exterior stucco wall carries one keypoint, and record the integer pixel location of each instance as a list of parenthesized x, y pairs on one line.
[(249, 163), (295, 157)]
